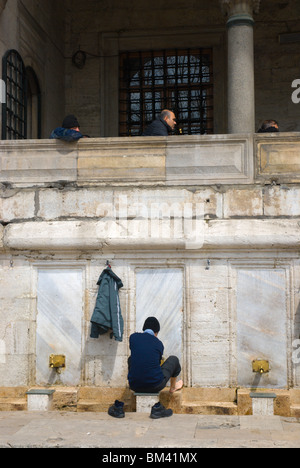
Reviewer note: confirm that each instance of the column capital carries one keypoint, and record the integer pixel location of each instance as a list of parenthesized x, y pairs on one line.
[(2, 5), (240, 8)]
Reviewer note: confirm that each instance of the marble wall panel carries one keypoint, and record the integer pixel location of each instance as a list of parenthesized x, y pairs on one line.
[(262, 326), (59, 324), (210, 339), (159, 293)]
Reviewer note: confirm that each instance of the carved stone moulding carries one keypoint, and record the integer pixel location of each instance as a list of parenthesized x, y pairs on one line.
[(238, 7)]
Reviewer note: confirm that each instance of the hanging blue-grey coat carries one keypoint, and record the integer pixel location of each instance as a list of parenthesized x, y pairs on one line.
[(107, 313)]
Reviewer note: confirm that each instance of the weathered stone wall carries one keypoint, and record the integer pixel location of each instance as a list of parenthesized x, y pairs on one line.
[(234, 244)]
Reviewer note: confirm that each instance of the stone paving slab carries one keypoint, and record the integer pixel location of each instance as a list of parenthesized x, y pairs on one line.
[(99, 430)]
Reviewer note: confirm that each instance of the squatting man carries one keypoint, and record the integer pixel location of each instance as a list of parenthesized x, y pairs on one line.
[(147, 372)]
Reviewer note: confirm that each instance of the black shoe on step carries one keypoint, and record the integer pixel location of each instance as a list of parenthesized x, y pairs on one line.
[(117, 410), (159, 411)]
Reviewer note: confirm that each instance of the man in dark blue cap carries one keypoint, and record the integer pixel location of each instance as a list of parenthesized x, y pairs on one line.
[(69, 131)]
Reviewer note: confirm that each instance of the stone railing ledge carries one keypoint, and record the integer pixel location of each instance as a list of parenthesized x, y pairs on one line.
[(277, 157), (195, 160), (167, 161)]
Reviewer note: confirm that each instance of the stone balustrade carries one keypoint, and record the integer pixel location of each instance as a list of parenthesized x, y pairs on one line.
[(192, 160), (174, 161)]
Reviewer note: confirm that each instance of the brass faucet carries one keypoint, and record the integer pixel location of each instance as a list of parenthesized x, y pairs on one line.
[(261, 366), (57, 362)]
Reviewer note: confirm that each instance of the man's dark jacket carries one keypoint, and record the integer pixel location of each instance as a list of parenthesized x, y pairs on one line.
[(145, 372), (268, 130), (107, 313), (158, 127)]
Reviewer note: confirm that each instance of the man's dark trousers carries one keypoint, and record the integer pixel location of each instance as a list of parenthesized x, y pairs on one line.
[(170, 368)]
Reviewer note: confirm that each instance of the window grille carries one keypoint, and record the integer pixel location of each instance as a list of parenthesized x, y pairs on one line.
[(179, 80), (14, 118)]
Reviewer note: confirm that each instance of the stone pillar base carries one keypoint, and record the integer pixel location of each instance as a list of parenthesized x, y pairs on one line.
[(263, 404), (39, 399), (145, 401)]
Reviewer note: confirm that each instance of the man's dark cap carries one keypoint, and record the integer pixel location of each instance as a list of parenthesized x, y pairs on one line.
[(70, 122), (152, 323)]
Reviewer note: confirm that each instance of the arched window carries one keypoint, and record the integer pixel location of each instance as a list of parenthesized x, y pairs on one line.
[(33, 94), (14, 110), (179, 80)]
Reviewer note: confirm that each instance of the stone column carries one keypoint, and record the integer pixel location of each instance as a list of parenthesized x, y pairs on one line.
[(241, 95)]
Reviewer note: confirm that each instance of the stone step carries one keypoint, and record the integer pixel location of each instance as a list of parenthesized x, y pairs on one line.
[(206, 401), (65, 399), (210, 408), (13, 404), (13, 398), (207, 407), (295, 411), (209, 401), (93, 406), (99, 399), (188, 401), (195, 394)]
